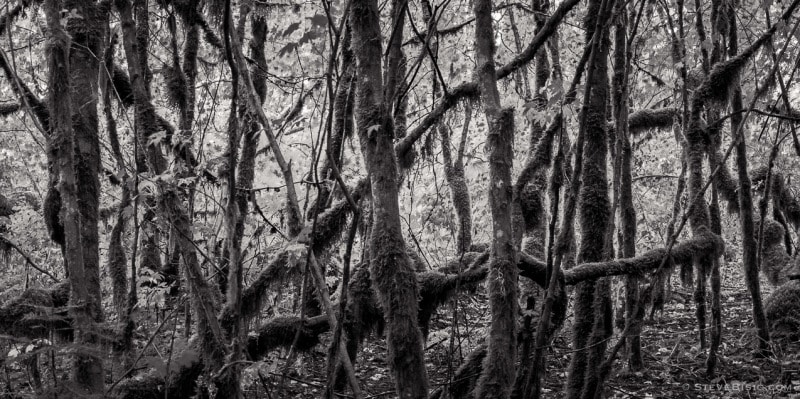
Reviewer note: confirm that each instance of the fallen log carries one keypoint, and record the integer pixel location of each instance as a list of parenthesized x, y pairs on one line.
[(36, 312)]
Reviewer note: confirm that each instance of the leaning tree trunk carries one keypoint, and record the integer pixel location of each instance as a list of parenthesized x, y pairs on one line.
[(749, 246), (497, 378), (392, 272), (204, 299), (84, 300), (592, 324)]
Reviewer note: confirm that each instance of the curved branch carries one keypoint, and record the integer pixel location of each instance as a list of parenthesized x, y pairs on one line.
[(470, 89)]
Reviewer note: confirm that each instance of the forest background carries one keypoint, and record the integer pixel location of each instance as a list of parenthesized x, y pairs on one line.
[(243, 199)]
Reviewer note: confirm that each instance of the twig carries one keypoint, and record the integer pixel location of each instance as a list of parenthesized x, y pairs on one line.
[(28, 259), (141, 353)]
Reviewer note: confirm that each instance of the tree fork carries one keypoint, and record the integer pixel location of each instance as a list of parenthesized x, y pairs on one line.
[(392, 273)]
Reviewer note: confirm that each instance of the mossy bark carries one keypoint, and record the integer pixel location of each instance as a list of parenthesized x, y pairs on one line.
[(342, 121), (627, 213), (203, 297), (391, 270), (116, 251), (749, 246), (459, 192), (589, 328), (497, 376), (530, 200), (87, 369)]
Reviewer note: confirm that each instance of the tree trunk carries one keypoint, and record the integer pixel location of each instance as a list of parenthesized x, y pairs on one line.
[(590, 327), (204, 298), (497, 377), (392, 273), (749, 246), (84, 299), (627, 213)]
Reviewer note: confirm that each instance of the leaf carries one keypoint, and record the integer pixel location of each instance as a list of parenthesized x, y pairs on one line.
[(156, 138), (291, 29), (308, 37), (319, 20), (288, 48)]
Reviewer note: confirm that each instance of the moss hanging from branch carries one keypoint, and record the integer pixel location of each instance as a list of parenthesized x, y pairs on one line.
[(437, 288), (8, 109), (727, 186), (647, 119), (331, 223), (783, 196), (717, 86), (122, 86), (776, 264), (278, 271)]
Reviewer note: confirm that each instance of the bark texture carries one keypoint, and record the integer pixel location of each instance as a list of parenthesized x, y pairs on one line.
[(391, 270), (497, 376)]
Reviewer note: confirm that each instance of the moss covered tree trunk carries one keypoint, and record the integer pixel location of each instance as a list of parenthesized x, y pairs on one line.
[(84, 66), (189, 15), (203, 297), (453, 165), (592, 323), (497, 378), (749, 246), (341, 123), (391, 270), (627, 213), (80, 251)]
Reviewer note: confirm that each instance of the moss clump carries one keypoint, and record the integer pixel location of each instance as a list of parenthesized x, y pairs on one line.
[(775, 263), (532, 204), (36, 312), (437, 288), (364, 314), (280, 332), (331, 223), (122, 86), (187, 368), (782, 309), (716, 87), (8, 109), (646, 119), (277, 272), (176, 86), (727, 187)]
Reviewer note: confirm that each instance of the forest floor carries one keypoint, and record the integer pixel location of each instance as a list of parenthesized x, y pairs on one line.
[(674, 363)]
